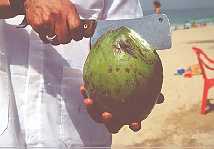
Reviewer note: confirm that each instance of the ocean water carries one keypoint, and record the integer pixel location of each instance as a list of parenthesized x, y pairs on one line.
[(179, 17)]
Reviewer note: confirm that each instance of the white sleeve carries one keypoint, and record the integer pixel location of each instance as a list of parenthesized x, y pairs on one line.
[(122, 9), (108, 9), (89, 9)]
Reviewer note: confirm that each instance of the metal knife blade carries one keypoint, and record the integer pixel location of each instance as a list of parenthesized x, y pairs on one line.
[(155, 29)]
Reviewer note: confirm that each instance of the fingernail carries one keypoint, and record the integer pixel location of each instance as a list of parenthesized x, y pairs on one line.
[(106, 117), (83, 91), (88, 102), (136, 126)]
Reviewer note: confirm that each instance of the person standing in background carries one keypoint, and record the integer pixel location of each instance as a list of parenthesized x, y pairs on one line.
[(157, 7)]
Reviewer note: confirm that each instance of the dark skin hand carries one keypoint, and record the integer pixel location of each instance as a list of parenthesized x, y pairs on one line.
[(54, 17), (106, 118)]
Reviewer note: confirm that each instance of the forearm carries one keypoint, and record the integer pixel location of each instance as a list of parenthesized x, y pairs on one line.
[(5, 10)]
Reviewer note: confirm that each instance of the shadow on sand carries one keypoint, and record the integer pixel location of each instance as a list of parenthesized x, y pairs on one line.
[(210, 105)]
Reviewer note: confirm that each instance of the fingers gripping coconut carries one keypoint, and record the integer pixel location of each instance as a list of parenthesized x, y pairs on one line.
[(123, 78)]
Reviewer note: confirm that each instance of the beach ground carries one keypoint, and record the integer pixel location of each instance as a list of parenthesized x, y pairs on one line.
[(177, 123)]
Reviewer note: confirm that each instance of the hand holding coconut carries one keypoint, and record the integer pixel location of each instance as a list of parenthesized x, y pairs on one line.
[(123, 78)]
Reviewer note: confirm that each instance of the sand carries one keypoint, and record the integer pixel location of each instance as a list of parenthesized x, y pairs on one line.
[(177, 122)]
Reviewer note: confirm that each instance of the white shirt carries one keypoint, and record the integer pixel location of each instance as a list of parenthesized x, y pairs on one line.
[(39, 84)]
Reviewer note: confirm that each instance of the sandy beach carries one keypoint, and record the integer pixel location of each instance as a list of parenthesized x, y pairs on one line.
[(177, 122)]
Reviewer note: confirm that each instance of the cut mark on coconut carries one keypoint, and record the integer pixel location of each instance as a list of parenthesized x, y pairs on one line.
[(125, 46)]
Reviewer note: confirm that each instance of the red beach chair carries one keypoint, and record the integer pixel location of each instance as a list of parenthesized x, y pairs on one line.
[(205, 64)]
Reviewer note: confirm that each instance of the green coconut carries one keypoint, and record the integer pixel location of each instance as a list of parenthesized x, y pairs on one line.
[(123, 74)]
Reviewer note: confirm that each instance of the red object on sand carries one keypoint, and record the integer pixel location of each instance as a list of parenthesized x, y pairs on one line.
[(205, 63), (188, 74)]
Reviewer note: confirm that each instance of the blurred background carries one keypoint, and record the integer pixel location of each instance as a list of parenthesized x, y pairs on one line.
[(183, 11)]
